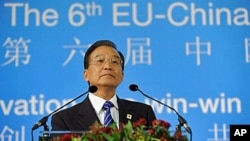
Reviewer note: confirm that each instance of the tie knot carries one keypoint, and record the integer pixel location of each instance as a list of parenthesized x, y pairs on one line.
[(107, 105)]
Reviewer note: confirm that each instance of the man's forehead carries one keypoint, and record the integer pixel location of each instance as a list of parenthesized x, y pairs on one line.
[(105, 51)]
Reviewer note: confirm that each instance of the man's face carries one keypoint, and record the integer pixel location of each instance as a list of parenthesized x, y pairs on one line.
[(105, 68)]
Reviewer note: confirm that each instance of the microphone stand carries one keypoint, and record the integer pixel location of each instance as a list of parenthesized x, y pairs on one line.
[(43, 121), (182, 121), (45, 126)]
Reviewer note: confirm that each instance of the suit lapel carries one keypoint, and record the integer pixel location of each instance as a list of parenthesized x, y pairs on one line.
[(87, 115), (125, 111)]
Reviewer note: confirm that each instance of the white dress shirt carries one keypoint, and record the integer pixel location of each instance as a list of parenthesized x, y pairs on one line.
[(98, 103)]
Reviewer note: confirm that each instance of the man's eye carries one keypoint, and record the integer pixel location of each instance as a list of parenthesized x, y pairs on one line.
[(115, 62), (100, 60)]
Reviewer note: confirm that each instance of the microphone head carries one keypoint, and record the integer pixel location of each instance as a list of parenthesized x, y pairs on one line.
[(133, 87), (92, 89)]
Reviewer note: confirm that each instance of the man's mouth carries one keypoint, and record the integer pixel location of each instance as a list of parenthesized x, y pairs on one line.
[(107, 75)]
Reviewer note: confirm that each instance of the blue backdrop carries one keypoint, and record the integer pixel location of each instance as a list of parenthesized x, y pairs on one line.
[(192, 55)]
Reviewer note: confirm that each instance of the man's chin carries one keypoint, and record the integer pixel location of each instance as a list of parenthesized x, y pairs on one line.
[(108, 84)]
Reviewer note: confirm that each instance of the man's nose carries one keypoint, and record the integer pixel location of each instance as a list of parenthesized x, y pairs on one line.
[(107, 65)]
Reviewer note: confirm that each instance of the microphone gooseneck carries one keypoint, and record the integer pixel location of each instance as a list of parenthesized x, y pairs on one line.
[(42, 122), (182, 121)]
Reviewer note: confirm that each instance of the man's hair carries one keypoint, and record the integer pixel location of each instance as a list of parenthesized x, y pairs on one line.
[(98, 44)]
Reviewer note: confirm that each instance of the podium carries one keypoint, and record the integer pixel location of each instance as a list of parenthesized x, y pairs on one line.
[(67, 135), (137, 131)]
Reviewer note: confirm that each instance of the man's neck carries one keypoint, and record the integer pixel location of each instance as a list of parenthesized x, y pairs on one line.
[(105, 92)]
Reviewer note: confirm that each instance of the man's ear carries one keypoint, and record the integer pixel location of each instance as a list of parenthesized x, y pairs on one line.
[(85, 75), (122, 76)]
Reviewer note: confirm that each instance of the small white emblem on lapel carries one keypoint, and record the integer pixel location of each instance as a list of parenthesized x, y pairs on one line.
[(129, 116)]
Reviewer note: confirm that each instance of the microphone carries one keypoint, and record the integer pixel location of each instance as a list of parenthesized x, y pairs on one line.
[(43, 121), (182, 121)]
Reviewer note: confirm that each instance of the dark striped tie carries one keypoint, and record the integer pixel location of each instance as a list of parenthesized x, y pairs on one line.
[(108, 118)]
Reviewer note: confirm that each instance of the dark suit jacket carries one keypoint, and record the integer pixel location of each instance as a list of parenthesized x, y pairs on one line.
[(82, 116)]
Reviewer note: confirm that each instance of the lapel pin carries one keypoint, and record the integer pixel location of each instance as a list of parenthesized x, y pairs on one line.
[(129, 116)]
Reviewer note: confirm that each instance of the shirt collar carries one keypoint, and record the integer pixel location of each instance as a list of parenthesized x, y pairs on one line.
[(97, 102)]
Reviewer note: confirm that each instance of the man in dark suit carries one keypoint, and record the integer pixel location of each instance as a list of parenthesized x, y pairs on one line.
[(103, 68)]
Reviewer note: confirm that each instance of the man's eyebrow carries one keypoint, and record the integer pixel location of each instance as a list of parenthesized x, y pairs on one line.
[(99, 55), (114, 55)]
